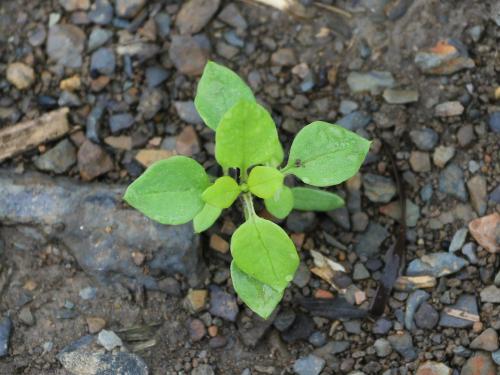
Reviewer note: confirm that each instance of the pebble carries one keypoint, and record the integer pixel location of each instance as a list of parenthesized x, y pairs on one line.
[(223, 304), (448, 109), (399, 96), (301, 328), (426, 192), (233, 39), (494, 122), (88, 293), (496, 357), (71, 84), (479, 364), (354, 121), (393, 210), (151, 102), (195, 15), (487, 340), (109, 340), (433, 368), (368, 243), (310, 365), (203, 370), (233, 17), (58, 159), (491, 294), (20, 75), (425, 139), (469, 250), (196, 300), (69, 99), (414, 301), (495, 195), (103, 61), (451, 182), (373, 81), (26, 316), (187, 112), (382, 347), (382, 326), (436, 264), (474, 166), (188, 56), (442, 155), (5, 331), (426, 316), (446, 57), (163, 23), (128, 8), (301, 222), (37, 36), (403, 344), (317, 339), (465, 135), (420, 161), (197, 330), (284, 57), (340, 216), (94, 121), (101, 12), (458, 240), (93, 161), (95, 324), (98, 37), (284, 320), (72, 5), (486, 231), (155, 76), (120, 121), (478, 193), (148, 157), (360, 221), (65, 44), (466, 303), (347, 106), (302, 276), (378, 189), (360, 272)]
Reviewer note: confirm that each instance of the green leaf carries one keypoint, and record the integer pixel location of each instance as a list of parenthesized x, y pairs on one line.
[(170, 190), (307, 199), (265, 181), (259, 297), (281, 203), (278, 155), (264, 251), (206, 218), (222, 193), (323, 154), (218, 90), (246, 136)]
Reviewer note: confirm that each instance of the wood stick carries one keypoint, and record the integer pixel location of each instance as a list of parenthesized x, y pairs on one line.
[(26, 135)]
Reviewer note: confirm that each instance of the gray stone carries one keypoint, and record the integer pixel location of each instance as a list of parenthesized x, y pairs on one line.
[(495, 195), (443, 155), (5, 331), (187, 112), (81, 358), (340, 217), (252, 329), (426, 316), (76, 215), (466, 303), (436, 264), (378, 189), (382, 326), (151, 102), (399, 96), (203, 369), (194, 15), (479, 364), (373, 81), (98, 37), (302, 276), (138, 50), (403, 344), (382, 347), (448, 109), (188, 55), (88, 293), (494, 122), (354, 121), (465, 135), (414, 301), (93, 124), (451, 182), (68, 99), (317, 339), (156, 75), (425, 139), (58, 159), (368, 243), (109, 340), (284, 57), (347, 106), (233, 39), (426, 192), (128, 8), (437, 62), (101, 12), (310, 365), (233, 17), (223, 304), (103, 61), (65, 45), (120, 121), (37, 36), (458, 240), (478, 194), (360, 272), (487, 340), (496, 357), (72, 5), (301, 222), (490, 294), (469, 250)]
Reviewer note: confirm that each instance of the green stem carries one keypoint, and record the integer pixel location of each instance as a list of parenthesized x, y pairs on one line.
[(248, 208)]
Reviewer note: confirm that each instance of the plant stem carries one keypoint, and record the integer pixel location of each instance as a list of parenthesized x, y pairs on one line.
[(248, 206)]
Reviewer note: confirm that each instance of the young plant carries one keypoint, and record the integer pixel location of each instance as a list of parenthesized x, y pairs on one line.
[(178, 190)]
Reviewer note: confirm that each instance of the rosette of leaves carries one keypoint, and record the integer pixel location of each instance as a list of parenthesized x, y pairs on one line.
[(178, 190)]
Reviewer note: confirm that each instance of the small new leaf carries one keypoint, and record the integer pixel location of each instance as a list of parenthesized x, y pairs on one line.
[(222, 193), (218, 90), (170, 190), (265, 181), (323, 154), (246, 136), (206, 218), (259, 297), (307, 199), (264, 251), (281, 203)]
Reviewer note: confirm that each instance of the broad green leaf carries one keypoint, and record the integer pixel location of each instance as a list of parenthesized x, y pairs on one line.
[(307, 199), (323, 154), (222, 193), (246, 136), (264, 251), (218, 90), (281, 203), (259, 297), (170, 190), (206, 218), (278, 155), (265, 181)]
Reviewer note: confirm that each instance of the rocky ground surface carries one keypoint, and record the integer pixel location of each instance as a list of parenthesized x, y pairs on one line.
[(89, 286)]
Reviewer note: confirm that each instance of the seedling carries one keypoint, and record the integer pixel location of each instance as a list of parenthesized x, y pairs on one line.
[(178, 190)]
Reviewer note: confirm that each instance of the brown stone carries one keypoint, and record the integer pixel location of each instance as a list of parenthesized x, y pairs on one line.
[(219, 244), (196, 300), (433, 368), (20, 75), (93, 161), (486, 231), (480, 364), (95, 324), (70, 84), (122, 142), (188, 56), (420, 161), (187, 142), (197, 330), (195, 14), (147, 157)]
